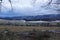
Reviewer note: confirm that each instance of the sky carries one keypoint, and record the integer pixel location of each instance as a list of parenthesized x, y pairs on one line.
[(27, 8)]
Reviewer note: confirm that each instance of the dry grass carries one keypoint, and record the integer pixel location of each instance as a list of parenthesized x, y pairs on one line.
[(24, 28)]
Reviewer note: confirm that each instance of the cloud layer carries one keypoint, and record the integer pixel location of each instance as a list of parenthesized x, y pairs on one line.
[(26, 7)]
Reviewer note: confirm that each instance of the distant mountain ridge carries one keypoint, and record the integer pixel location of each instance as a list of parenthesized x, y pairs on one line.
[(50, 17)]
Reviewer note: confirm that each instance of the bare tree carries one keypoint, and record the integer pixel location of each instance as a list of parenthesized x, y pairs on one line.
[(11, 5), (0, 5), (58, 9), (50, 1), (3, 6)]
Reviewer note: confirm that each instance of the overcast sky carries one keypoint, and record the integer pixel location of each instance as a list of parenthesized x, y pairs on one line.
[(26, 7)]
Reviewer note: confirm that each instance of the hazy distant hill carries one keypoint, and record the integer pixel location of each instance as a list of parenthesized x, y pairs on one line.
[(51, 17)]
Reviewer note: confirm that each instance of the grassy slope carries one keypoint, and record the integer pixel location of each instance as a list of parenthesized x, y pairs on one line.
[(24, 28)]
